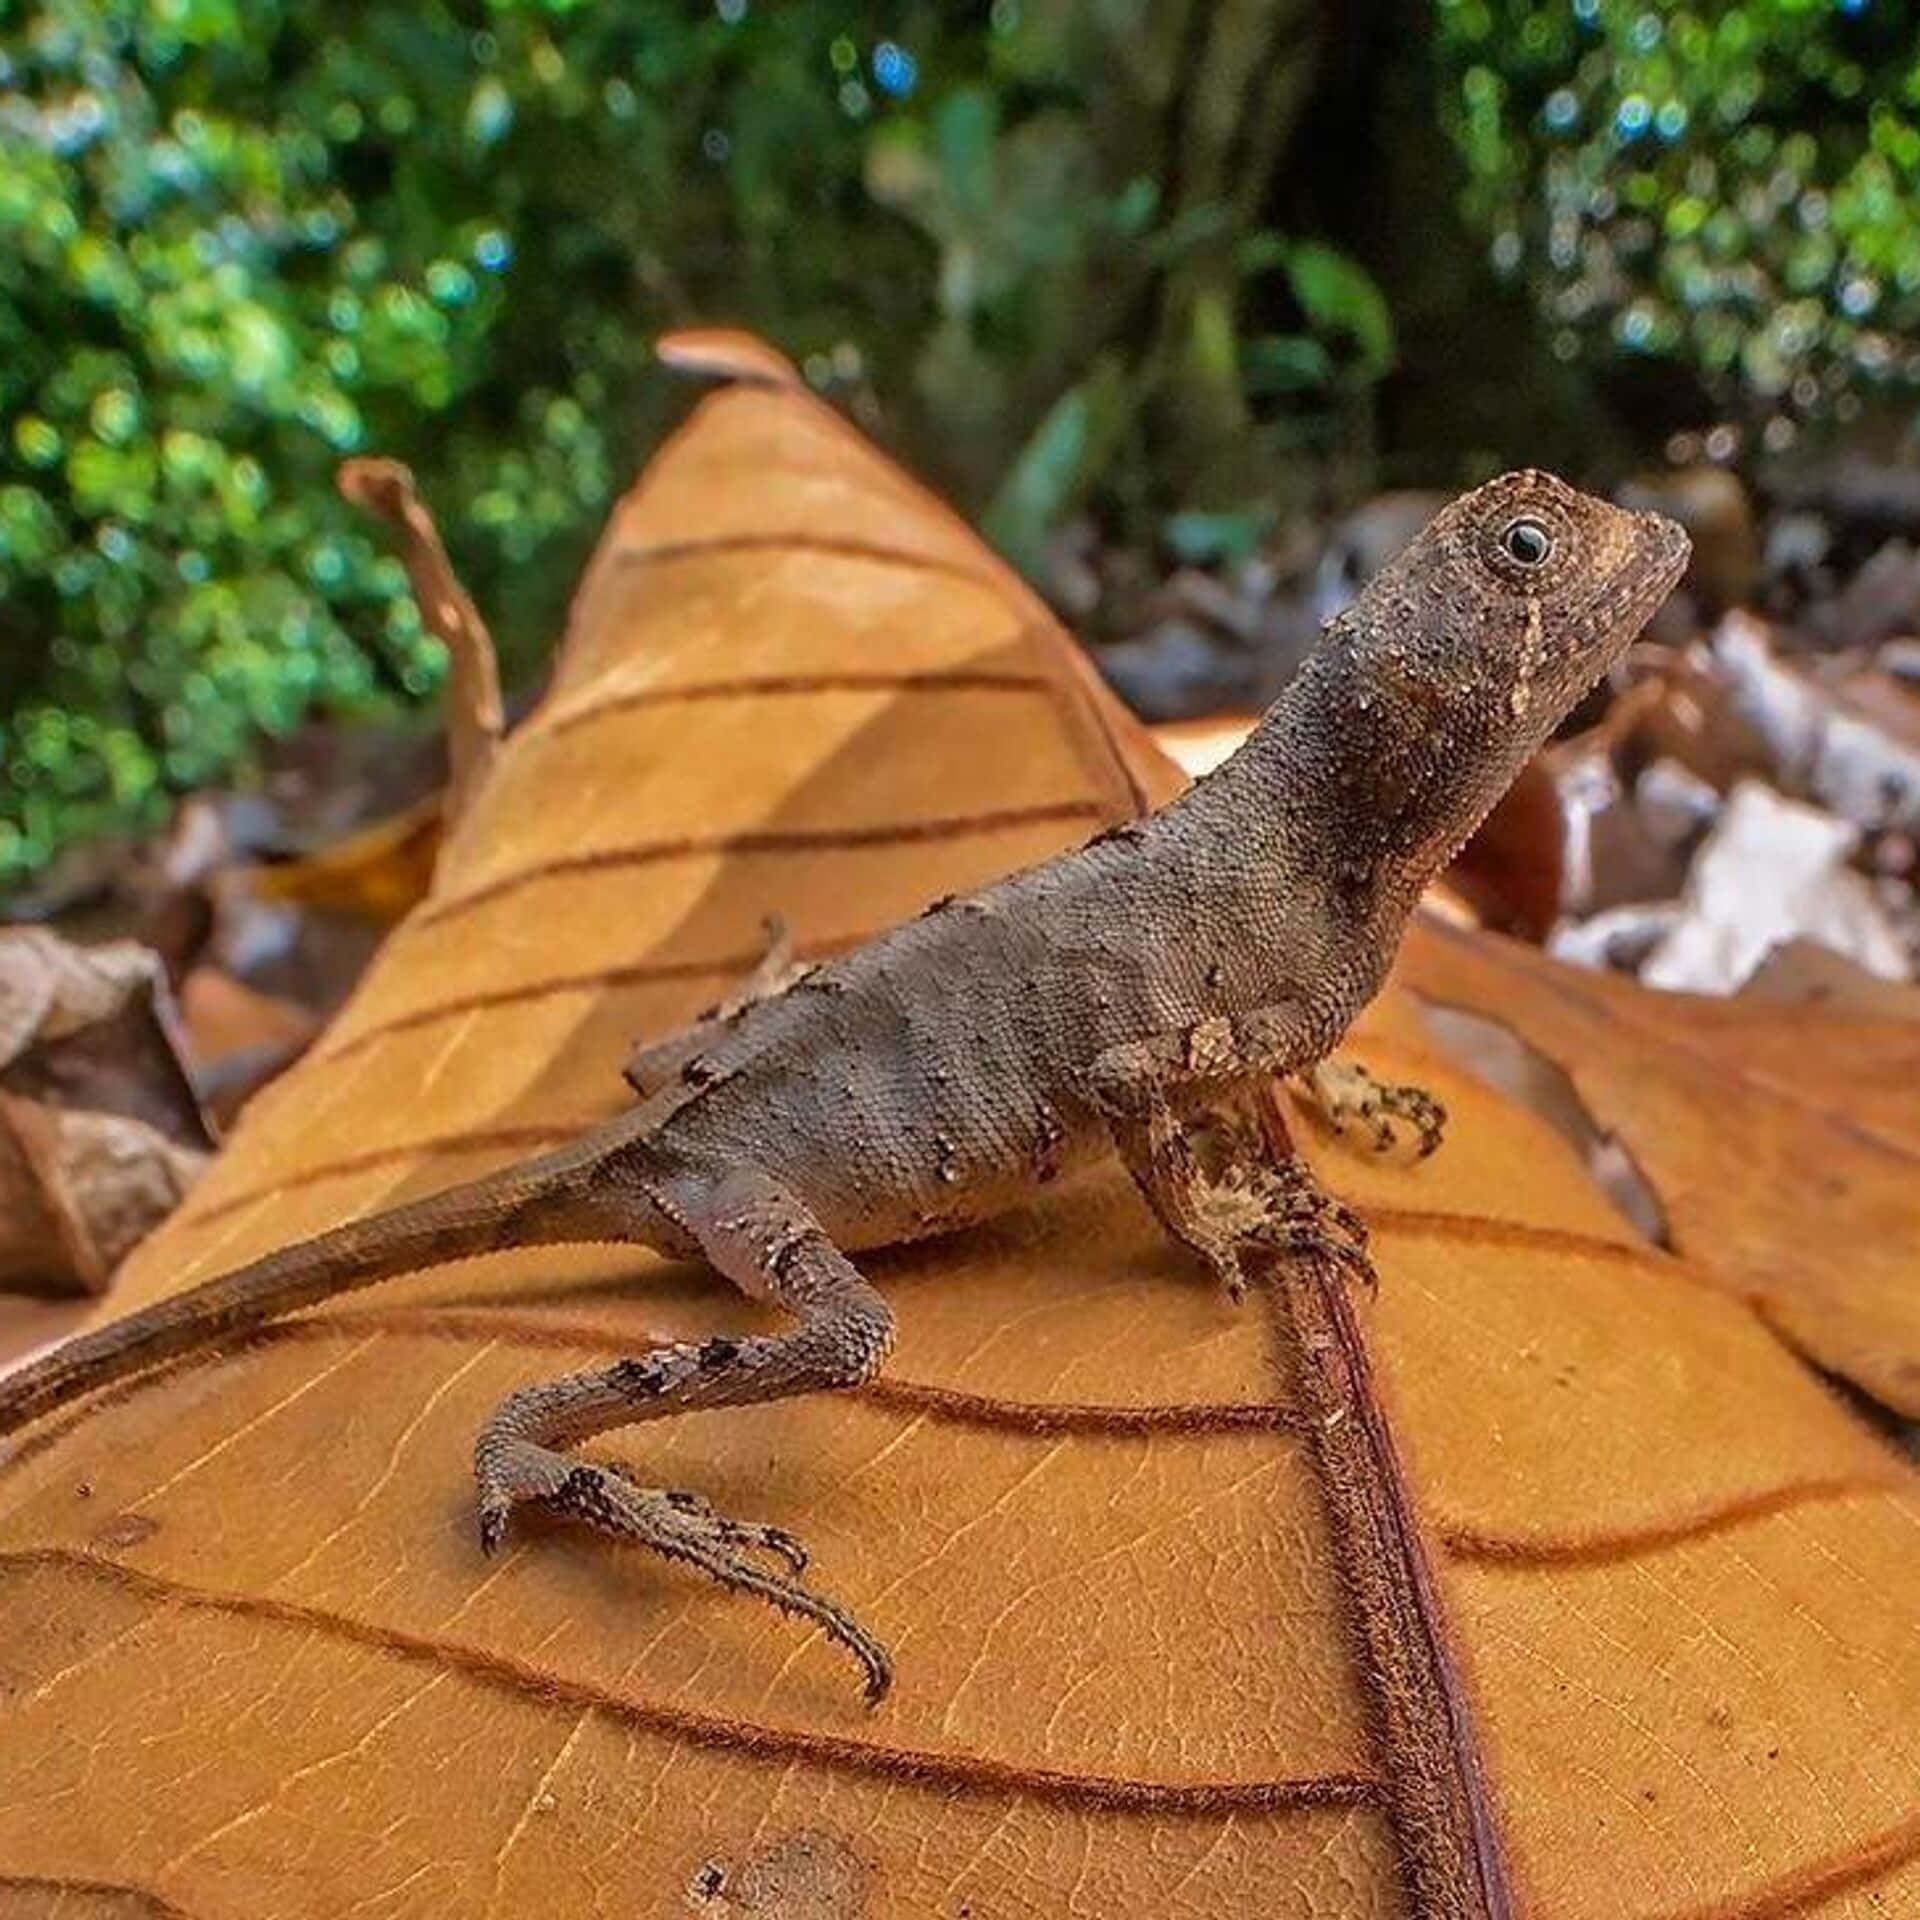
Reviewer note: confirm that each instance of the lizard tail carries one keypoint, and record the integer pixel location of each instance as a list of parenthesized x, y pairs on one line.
[(564, 1195)]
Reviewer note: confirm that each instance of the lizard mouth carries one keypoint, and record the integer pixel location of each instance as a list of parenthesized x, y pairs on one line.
[(1657, 554)]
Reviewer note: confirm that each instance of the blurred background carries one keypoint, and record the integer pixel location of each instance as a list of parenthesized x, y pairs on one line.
[(1191, 306)]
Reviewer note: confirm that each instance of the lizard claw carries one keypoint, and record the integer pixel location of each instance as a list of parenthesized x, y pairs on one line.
[(493, 1528), (778, 1540)]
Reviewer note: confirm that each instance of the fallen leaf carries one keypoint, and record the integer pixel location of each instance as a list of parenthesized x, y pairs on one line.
[(1802, 973), (1624, 838), (379, 872), (1770, 871), (475, 720), (726, 353), (100, 1130), (1881, 601), (1682, 711), (1510, 872), (1835, 747), (1654, 1579), (237, 1038), (1784, 1148)]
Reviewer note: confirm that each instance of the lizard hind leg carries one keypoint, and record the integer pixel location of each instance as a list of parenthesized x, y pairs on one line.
[(766, 1242)]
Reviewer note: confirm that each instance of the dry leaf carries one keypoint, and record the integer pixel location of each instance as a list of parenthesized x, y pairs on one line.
[(1784, 1147), (378, 872), (725, 353), (1771, 870), (475, 719), (1510, 871), (237, 1038), (1666, 1600), (100, 1132), (1830, 743), (1802, 973)]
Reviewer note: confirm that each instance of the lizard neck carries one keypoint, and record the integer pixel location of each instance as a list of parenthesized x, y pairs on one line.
[(1340, 798)]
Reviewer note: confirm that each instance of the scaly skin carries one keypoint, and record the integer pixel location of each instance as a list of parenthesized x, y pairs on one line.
[(937, 1074)]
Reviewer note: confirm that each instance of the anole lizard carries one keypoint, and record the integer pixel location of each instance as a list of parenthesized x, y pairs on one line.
[(934, 1076)]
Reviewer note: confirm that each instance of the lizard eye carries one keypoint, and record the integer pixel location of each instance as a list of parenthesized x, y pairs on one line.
[(1527, 543)]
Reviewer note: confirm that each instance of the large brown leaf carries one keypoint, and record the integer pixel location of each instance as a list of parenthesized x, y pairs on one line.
[(251, 1661)]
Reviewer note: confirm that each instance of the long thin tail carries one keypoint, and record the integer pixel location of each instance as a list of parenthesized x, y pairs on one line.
[(561, 1195)]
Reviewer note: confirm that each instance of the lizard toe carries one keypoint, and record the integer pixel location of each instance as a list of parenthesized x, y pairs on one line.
[(678, 1525)]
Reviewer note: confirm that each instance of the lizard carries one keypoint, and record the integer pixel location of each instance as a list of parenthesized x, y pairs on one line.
[(933, 1077)]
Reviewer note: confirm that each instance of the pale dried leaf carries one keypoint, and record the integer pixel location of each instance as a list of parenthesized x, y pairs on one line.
[(100, 1130)]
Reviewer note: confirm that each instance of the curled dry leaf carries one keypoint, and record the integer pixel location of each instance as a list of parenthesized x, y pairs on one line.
[(100, 1133), (378, 872), (1649, 1585), (475, 718), (1510, 871), (726, 353)]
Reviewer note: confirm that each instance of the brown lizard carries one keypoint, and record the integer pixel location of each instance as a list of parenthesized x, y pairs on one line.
[(932, 1077)]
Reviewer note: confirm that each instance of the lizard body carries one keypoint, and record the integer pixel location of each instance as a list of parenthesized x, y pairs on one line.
[(934, 1076)]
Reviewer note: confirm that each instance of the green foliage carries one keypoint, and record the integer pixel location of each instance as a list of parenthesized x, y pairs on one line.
[(1037, 377), (1020, 228), (238, 242), (1340, 297), (1737, 186), (1073, 444)]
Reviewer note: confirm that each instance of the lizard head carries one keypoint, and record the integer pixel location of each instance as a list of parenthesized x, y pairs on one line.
[(1432, 690)]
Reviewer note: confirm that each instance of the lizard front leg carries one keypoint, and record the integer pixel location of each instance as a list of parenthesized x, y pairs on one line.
[(1217, 1184), (763, 1239), (1350, 1098)]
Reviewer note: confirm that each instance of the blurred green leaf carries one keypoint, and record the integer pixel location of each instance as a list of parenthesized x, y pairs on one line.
[(238, 242), (1216, 539), (1286, 363), (1736, 186), (1057, 464), (1338, 295)]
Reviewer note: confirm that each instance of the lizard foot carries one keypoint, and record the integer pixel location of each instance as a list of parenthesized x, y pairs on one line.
[(1286, 1210), (1211, 1210), (678, 1525), (1213, 1186), (1318, 1225), (1352, 1100), (1306, 1221)]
